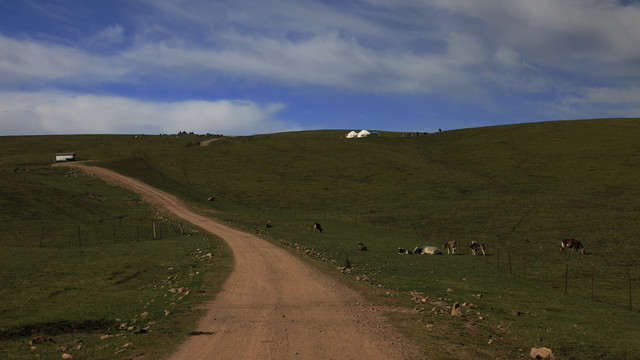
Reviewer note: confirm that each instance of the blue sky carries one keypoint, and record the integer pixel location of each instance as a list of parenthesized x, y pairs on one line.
[(245, 67)]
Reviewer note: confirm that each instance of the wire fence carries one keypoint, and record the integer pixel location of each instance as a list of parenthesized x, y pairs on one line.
[(121, 229)]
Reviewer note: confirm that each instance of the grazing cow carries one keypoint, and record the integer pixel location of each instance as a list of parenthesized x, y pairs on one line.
[(211, 198), (450, 246), (403, 251), (361, 247), (475, 246), (317, 227), (573, 244), (429, 250)]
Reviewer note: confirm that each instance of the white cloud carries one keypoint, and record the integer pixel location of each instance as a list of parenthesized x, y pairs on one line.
[(596, 102), (27, 60), (65, 113), (474, 52), (113, 34)]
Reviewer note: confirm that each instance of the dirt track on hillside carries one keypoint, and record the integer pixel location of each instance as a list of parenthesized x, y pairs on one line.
[(274, 306)]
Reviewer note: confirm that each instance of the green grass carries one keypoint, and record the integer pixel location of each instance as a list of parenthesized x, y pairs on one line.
[(79, 260), (519, 189)]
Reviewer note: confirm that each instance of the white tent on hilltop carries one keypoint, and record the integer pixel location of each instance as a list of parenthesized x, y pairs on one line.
[(364, 133), (352, 135)]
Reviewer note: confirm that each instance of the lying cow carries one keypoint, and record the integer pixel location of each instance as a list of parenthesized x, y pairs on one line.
[(475, 246), (404, 252), (317, 227), (573, 244), (450, 246), (429, 250)]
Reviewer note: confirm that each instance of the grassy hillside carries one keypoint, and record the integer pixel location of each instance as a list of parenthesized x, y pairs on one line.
[(79, 261), (519, 189)]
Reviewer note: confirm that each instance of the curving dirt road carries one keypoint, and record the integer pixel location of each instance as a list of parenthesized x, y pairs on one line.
[(274, 306)]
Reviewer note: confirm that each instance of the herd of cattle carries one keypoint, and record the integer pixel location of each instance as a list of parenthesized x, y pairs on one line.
[(474, 246), (450, 246)]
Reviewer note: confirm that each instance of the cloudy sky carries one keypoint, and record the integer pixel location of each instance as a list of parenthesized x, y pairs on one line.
[(258, 66)]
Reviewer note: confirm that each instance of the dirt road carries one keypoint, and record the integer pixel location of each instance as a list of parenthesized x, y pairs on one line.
[(274, 306)]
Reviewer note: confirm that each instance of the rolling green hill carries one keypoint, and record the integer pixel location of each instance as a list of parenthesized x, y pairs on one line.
[(518, 189)]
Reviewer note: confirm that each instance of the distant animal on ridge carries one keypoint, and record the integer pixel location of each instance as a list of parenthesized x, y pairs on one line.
[(450, 246), (475, 246), (573, 244), (317, 227)]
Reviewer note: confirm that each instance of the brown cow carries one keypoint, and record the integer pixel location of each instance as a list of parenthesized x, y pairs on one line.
[(573, 244), (361, 247), (450, 246), (475, 246), (317, 227)]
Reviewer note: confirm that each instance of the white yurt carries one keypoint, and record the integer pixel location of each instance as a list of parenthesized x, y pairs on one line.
[(363, 133), (352, 135)]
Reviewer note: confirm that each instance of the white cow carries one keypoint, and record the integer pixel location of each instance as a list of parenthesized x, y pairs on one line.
[(404, 251), (429, 250)]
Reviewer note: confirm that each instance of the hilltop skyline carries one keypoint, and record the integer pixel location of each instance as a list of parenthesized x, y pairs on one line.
[(249, 67)]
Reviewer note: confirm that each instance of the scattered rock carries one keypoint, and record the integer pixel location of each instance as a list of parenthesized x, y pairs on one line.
[(541, 353), (41, 340), (449, 290), (103, 337), (455, 310), (67, 356), (516, 312)]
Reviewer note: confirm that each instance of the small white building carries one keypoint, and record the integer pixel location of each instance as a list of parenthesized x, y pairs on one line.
[(65, 157), (351, 135)]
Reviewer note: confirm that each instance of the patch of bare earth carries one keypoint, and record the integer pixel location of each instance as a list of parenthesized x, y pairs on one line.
[(209, 141), (273, 305)]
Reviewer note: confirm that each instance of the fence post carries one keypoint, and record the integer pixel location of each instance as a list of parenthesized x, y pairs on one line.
[(593, 279), (486, 249), (566, 277), (630, 303), (510, 269)]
